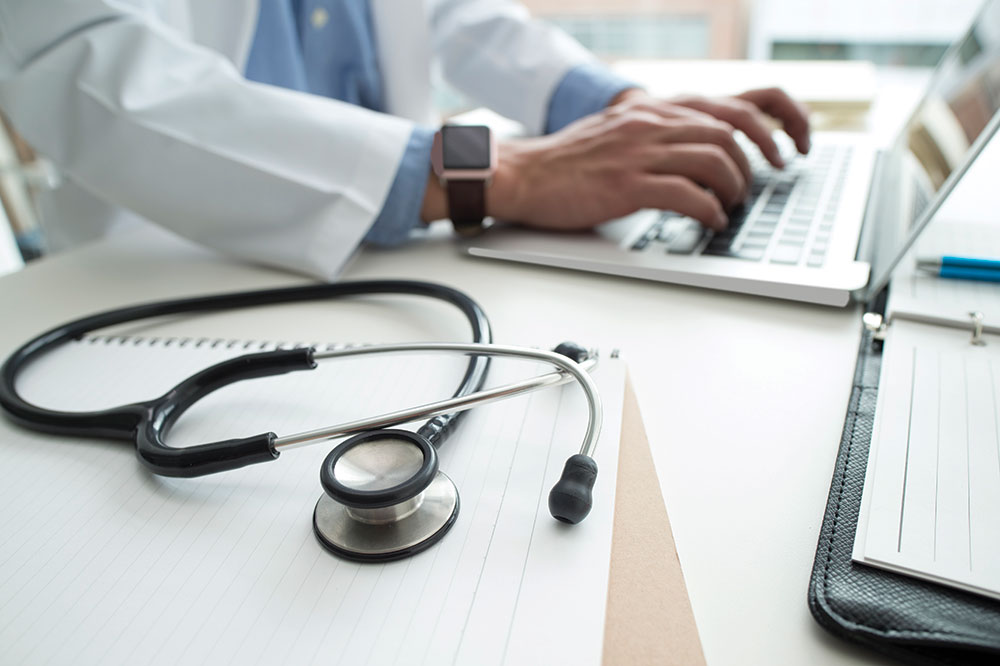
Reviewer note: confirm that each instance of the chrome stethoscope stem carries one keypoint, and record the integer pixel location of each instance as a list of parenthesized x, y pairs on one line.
[(567, 370)]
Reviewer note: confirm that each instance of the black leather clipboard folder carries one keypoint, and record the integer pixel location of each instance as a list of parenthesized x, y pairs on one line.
[(915, 621)]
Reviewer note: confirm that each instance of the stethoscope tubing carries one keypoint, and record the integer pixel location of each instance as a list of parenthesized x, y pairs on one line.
[(567, 370), (147, 423)]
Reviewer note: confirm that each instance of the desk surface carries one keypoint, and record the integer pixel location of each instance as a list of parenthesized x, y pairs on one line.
[(743, 398)]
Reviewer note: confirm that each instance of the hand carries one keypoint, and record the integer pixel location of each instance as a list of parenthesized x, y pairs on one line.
[(749, 112), (640, 152), (628, 157)]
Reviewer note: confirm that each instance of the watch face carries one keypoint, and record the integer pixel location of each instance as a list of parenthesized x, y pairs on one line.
[(465, 146)]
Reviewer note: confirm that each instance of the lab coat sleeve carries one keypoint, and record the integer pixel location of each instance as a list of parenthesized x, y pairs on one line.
[(401, 209), (140, 116), (493, 51), (586, 89)]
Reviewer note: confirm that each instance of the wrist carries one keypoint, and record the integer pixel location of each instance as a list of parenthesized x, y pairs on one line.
[(507, 189), (435, 204), (628, 94)]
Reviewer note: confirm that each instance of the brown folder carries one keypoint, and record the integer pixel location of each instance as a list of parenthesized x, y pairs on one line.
[(649, 617)]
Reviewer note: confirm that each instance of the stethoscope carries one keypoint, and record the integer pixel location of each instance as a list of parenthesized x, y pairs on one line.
[(384, 496)]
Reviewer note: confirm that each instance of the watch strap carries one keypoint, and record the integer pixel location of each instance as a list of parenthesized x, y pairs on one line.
[(466, 204)]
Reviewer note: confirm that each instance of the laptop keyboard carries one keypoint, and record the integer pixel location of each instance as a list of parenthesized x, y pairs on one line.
[(787, 217)]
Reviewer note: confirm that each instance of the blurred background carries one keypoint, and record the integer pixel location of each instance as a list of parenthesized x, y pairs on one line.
[(887, 32), (894, 34)]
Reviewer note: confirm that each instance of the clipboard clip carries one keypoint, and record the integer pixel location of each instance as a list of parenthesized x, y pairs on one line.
[(977, 329), (875, 324)]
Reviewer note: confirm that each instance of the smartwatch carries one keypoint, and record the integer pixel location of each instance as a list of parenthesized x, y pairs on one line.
[(464, 157)]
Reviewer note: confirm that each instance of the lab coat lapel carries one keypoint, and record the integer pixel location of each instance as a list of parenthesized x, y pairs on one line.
[(404, 52), (227, 27)]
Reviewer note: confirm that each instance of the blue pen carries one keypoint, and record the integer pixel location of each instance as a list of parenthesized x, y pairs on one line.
[(963, 268)]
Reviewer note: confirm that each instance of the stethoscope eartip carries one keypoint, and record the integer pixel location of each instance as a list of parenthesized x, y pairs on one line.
[(572, 351), (572, 497)]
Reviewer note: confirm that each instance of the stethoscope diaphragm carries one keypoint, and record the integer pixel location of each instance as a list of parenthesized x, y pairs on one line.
[(384, 497)]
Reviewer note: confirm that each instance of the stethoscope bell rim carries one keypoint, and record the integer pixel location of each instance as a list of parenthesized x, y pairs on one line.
[(382, 496), (373, 518)]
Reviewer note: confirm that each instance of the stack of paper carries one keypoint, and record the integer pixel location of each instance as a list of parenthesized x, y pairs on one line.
[(102, 562)]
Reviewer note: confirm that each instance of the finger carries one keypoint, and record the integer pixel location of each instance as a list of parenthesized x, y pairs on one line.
[(683, 196), (668, 109), (704, 163), (794, 116), (710, 132), (747, 118), (721, 135)]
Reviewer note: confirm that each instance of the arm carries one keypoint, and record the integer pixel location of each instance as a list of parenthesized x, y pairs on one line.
[(643, 152), (624, 151), (137, 114), (640, 152)]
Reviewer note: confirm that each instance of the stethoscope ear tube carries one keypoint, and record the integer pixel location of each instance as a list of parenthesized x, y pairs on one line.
[(571, 498), (220, 456), (385, 497), (146, 423)]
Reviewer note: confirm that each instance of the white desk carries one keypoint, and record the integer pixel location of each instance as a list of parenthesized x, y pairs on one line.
[(743, 398)]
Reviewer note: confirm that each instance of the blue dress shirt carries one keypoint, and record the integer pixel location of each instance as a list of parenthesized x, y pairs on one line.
[(327, 47)]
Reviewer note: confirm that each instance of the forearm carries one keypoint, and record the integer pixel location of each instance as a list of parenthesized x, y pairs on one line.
[(583, 91), (640, 152)]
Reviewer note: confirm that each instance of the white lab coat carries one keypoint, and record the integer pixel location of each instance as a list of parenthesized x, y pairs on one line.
[(142, 105)]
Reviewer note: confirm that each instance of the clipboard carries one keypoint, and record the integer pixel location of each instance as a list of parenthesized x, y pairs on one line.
[(643, 582), (649, 617), (907, 618)]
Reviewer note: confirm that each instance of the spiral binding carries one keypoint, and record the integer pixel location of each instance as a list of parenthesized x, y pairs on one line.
[(248, 346), (210, 343)]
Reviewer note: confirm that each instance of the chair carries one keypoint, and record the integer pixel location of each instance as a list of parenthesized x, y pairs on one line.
[(22, 174)]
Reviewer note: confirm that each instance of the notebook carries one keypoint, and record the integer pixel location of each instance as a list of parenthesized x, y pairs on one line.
[(104, 563), (826, 229)]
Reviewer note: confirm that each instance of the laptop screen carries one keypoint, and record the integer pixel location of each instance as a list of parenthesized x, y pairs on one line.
[(963, 97), (950, 126)]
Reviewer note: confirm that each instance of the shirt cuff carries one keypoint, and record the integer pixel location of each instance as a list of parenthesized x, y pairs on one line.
[(400, 212), (585, 89)]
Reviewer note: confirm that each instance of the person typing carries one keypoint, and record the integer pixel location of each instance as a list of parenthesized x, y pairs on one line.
[(289, 132)]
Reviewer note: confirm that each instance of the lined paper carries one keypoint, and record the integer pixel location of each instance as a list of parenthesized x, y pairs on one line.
[(931, 503), (102, 562)]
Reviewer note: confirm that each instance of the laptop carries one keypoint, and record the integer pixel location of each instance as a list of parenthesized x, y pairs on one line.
[(829, 227)]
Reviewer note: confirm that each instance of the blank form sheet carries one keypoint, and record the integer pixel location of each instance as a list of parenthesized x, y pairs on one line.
[(931, 503)]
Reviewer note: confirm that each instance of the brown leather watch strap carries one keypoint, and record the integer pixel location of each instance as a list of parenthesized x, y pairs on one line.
[(467, 205)]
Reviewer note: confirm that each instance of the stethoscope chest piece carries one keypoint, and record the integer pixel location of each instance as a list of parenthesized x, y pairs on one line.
[(384, 497)]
